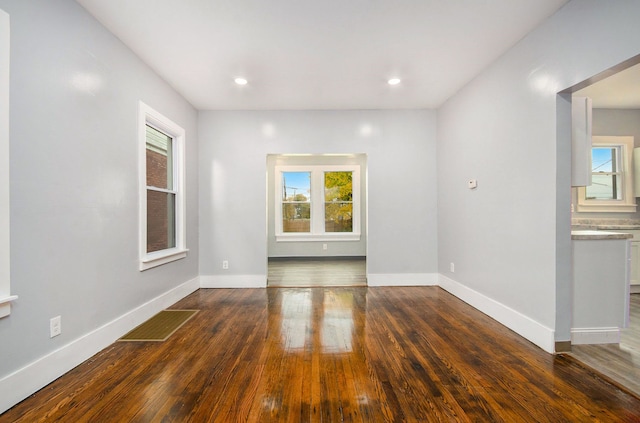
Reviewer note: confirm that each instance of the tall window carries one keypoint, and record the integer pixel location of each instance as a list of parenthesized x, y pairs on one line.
[(338, 201), (606, 173), (162, 237), (296, 202), (611, 188), (161, 192), (317, 203)]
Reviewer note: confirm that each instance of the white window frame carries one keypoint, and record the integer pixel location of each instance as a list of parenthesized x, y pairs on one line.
[(149, 116), (317, 232), (5, 247), (625, 205)]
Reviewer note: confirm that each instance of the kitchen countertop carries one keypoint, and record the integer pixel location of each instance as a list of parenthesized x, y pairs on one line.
[(605, 224), (598, 235)]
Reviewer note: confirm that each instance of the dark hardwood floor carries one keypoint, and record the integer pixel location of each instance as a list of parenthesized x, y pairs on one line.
[(330, 354)]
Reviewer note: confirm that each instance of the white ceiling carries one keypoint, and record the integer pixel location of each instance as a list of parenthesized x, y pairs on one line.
[(619, 91), (319, 54)]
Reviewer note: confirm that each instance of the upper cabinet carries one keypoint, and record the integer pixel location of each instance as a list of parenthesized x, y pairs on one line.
[(581, 128)]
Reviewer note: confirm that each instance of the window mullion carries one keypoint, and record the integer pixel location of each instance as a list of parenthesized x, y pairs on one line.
[(168, 191), (317, 201)]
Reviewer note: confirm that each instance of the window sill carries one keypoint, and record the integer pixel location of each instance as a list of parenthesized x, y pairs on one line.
[(316, 238), (5, 305), (162, 257), (606, 208)]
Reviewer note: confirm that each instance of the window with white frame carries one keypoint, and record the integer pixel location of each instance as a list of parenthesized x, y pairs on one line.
[(611, 188), (162, 202), (317, 203)]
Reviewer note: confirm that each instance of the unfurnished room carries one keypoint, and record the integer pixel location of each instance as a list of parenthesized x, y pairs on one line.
[(364, 210)]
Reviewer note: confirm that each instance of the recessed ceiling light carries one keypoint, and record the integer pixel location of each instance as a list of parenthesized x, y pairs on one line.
[(240, 81), (394, 81)]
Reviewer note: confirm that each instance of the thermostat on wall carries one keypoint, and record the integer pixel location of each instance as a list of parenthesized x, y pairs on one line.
[(473, 183)]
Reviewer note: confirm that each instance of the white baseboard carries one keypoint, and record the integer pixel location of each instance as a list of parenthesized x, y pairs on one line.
[(402, 279), (581, 336), (233, 281), (23, 382), (526, 327)]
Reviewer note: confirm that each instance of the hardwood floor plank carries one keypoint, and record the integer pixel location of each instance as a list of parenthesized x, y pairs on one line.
[(309, 272), (351, 354), (620, 362)]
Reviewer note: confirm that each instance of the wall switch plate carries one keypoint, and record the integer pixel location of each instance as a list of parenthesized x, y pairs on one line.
[(452, 267), (225, 264), (472, 183), (55, 326)]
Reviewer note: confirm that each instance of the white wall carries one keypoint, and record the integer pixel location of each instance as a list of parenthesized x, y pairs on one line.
[(401, 162), (74, 191), (510, 238)]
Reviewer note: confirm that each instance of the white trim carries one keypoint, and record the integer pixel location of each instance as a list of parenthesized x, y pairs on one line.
[(5, 247), (149, 116), (627, 204), (161, 257), (317, 203), (5, 305), (402, 279), (25, 381), (233, 281), (327, 237), (526, 327), (583, 336)]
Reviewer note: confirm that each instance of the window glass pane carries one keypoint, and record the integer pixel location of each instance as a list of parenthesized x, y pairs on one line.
[(603, 159), (296, 201), (604, 186), (338, 217), (161, 227), (296, 217), (338, 186), (296, 186), (605, 183), (159, 159), (338, 207)]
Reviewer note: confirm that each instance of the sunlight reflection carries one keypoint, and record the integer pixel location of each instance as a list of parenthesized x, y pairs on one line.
[(332, 333), (296, 319), (544, 82), (337, 323), (88, 83), (269, 130)]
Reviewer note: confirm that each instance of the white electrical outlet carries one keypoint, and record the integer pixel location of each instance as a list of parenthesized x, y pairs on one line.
[(452, 267), (225, 264), (324, 247), (55, 326)]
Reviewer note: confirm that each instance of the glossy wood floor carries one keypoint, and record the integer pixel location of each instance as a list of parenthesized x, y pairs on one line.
[(361, 354), (620, 362), (296, 272)]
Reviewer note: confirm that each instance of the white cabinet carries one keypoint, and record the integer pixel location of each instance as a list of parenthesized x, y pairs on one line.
[(634, 274), (600, 290), (635, 266)]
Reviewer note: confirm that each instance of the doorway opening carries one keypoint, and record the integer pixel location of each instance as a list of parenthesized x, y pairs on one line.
[(316, 220), (603, 205)]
